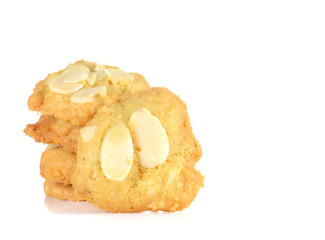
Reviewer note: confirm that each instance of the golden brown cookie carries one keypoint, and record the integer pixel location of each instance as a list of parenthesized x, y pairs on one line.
[(74, 94), (50, 130), (139, 155), (61, 191), (57, 165)]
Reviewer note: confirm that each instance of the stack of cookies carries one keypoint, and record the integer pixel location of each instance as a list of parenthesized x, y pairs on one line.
[(114, 141)]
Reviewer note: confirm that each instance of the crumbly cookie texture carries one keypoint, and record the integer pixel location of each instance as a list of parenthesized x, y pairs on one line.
[(74, 94), (169, 186), (62, 191), (51, 130), (57, 165)]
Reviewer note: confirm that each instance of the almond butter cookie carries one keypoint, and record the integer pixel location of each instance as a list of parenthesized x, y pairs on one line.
[(139, 155), (74, 94)]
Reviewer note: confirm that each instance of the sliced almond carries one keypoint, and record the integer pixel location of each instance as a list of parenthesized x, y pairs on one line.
[(91, 78), (150, 137), (88, 95), (99, 66), (80, 67), (117, 152), (58, 85), (100, 74), (50, 146), (75, 74), (118, 74), (87, 133), (69, 80)]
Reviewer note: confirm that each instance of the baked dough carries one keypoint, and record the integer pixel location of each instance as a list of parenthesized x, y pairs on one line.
[(57, 165), (170, 186), (61, 191), (59, 105)]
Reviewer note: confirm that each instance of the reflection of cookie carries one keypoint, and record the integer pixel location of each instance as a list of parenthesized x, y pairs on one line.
[(169, 184), (61, 191), (74, 94), (57, 165), (51, 130)]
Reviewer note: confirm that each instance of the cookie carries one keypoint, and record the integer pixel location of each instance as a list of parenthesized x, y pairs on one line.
[(139, 155), (57, 165), (74, 94), (61, 191), (51, 130)]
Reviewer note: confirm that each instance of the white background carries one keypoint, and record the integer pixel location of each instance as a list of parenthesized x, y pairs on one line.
[(252, 75)]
